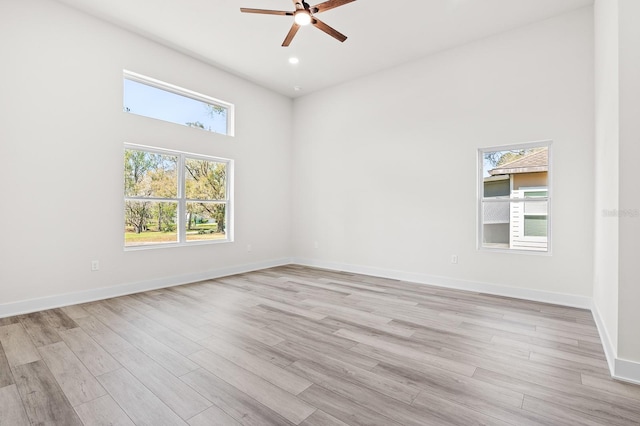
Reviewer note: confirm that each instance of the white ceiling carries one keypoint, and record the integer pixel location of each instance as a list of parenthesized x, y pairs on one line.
[(382, 33)]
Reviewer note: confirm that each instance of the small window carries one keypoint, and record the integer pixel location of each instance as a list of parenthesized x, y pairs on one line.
[(155, 99), (514, 197), (174, 198)]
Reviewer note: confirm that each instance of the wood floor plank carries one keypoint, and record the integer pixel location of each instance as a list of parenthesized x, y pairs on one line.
[(103, 411), (261, 335), (138, 402), (559, 415), (172, 323), (172, 309), (267, 353), (103, 335), (453, 413), (295, 310), (18, 347), (385, 406), (300, 350), (77, 383), (183, 400), (623, 389), (461, 389), (6, 378), (344, 409), (534, 344), (41, 332), (244, 409), (9, 320), (320, 418), (400, 390), (582, 368), (44, 401), (611, 411), (74, 312), (436, 361), (213, 416), (11, 409), (290, 327), (344, 311), (162, 354), (162, 334), (93, 356), (365, 320), (59, 320), (280, 377), (280, 401)]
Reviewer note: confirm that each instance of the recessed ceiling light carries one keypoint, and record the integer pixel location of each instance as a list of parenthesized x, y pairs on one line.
[(297, 88), (293, 60)]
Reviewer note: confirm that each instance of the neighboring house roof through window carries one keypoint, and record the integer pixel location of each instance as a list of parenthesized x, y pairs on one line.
[(537, 161)]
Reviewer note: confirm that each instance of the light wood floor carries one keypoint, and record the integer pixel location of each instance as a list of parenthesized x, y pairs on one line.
[(295, 345)]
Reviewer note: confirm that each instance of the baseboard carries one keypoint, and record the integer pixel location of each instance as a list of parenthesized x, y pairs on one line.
[(627, 371), (621, 369), (570, 300), (609, 349), (50, 302)]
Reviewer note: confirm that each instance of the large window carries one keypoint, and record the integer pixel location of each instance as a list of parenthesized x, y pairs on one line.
[(163, 101), (514, 197), (174, 198)]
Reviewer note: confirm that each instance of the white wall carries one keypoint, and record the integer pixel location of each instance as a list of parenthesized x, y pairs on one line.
[(629, 287), (617, 105), (385, 166), (62, 131), (605, 289)]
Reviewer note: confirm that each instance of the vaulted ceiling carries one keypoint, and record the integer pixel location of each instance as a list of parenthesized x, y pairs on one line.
[(381, 34)]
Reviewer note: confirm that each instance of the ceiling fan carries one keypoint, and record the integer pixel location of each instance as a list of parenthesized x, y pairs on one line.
[(304, 15)]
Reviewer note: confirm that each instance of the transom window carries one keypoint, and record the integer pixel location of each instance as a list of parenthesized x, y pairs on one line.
[(163, 101), (514, 197), (175, 198)]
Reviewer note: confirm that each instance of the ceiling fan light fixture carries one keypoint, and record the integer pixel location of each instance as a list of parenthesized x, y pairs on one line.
[(302, 17)]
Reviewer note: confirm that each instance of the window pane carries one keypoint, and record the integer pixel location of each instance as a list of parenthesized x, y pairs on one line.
[(205, 180), (542, 193), (535, 226), (150, 101), (206, 221), (149, 222), (147, 174), (536, 208)]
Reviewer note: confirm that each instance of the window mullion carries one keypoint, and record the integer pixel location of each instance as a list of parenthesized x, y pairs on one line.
[(182, 204)]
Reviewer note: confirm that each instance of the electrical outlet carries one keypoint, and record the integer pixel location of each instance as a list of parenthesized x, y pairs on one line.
[(315, 245), (95, 265), (249, 247), (454, 258)]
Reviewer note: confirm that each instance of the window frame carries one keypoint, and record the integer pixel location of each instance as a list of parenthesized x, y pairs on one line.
[(481, 200), (181, 91), (181, 199)]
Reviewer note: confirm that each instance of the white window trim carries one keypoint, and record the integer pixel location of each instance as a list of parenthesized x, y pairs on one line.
[(158, 84), (480, 201), (182, 201)]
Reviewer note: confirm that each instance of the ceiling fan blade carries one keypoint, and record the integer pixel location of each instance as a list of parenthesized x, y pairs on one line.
[(292, 33), (327, 29), (330, 4), (266, 12)]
